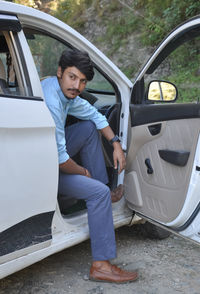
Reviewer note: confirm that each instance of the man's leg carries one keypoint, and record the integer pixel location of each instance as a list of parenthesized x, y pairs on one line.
[(97, 197), (83, 138), (100, 220)]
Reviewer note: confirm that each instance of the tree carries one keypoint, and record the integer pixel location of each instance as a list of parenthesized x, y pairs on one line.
[(44, 5)]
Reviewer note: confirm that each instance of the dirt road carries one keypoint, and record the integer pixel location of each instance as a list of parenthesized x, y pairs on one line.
[(165, 267)]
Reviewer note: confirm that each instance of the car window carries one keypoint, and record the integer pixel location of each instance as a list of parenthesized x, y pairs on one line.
[(102, 89), (12, 76), (182, 68), (46, 51)]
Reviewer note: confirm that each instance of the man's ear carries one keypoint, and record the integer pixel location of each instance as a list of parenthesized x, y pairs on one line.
[(59, 72)]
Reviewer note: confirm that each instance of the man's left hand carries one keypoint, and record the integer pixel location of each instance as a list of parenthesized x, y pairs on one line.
[(118, 157)]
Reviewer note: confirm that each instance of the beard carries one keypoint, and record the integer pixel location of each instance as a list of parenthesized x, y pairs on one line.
[(74, 91)]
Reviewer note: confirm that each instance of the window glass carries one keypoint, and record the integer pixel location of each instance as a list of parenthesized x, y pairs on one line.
[(182, 68), (46, 52), (11, 82), (100, 82), (102, 89)]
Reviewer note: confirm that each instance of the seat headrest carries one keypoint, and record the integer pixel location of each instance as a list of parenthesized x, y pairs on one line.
[(2, 71)]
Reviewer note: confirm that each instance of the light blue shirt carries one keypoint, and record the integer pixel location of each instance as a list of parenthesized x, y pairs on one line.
[(60, 107)]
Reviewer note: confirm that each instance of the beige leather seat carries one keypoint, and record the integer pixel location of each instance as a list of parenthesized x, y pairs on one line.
[(2, 71), (3, 85)]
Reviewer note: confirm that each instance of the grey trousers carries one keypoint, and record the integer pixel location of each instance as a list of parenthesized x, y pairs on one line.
[(83, 137)]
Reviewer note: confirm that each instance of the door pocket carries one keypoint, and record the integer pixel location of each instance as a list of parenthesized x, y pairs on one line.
[(176, 157)]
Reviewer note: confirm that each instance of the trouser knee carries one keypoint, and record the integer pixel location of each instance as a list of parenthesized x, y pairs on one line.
[(101, 198), (90, 127)]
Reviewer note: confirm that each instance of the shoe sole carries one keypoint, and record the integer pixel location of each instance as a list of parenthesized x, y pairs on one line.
[(106, 281)]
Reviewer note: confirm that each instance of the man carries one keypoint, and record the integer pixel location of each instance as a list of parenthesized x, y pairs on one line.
[(88, 180)]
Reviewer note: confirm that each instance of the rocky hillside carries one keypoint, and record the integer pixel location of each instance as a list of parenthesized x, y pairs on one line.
[(125, 30), (105, 27)]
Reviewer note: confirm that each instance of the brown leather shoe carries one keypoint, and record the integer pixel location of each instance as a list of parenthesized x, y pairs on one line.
[(117, 193), (104, 271)]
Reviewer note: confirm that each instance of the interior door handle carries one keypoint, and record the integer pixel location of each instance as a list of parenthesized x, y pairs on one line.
[(149, 166), (155, 129)]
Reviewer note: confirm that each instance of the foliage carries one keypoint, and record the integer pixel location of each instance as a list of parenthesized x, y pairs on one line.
[(43, 5), (72, 12), (151, 19), (183, 70), (160, 17)]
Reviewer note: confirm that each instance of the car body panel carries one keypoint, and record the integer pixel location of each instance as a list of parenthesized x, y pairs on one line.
[(28, 141)]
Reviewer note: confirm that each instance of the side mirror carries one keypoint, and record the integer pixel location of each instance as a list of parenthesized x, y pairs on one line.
[(162, 91)]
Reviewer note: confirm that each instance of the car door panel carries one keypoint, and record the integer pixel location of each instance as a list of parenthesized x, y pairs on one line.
[(24, 137), (29, 164), (163, 165), (162, 194), (28, 176)]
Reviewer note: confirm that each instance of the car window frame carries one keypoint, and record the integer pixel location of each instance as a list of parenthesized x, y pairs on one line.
[(11, 27)]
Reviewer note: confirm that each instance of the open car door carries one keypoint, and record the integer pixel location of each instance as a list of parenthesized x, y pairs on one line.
[(163, 160), (28, 156)]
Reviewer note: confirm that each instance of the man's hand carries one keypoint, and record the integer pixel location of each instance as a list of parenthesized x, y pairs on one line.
[(87, 173), (71, 167), (118, 157)]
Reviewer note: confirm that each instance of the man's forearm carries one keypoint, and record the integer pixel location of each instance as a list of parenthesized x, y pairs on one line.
[(107, 132), (118, 154)]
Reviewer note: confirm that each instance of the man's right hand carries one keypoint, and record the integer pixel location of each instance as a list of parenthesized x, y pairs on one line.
[(71, 167), (87, 173)]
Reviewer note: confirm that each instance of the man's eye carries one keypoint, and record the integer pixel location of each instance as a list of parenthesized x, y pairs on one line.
[(72, 77)]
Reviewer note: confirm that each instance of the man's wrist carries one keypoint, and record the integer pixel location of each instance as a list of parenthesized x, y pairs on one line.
[(114, 139)]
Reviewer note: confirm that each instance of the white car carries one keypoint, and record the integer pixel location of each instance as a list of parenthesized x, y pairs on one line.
[(160, 140)]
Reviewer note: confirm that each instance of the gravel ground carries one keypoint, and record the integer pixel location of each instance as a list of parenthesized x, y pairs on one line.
[(165, 267)]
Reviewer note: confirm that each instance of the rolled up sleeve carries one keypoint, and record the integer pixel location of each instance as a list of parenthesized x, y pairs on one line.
[(60, 134)]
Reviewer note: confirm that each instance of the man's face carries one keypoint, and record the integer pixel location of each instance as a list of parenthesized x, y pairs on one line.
[(72, 81)]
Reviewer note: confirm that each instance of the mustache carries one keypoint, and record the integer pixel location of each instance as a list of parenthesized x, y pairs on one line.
[(74, 89)]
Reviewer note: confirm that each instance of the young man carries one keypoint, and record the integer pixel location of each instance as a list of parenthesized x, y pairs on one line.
[(88, 180)]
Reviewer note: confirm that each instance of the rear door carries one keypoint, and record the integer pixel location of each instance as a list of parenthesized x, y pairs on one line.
[(163, 161), (28, 153)]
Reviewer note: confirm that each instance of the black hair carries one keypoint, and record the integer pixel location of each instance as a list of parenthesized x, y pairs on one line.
[(79, 59)]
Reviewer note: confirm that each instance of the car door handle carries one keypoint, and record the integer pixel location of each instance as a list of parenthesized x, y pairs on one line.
[(149, 166), (155, 129)]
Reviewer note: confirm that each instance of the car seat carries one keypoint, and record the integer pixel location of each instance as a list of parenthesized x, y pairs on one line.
[(3, 84)]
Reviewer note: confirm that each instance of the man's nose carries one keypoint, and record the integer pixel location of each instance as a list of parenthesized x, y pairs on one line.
[(77, 84)]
